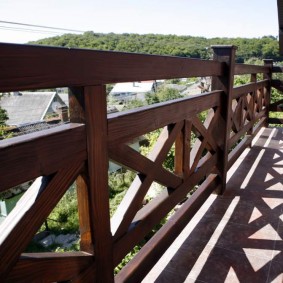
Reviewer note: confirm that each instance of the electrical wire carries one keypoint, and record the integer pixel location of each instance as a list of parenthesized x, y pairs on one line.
[(36, 26)]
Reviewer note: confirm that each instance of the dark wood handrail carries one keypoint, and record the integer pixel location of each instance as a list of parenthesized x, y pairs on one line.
[(81, 150), (46, 67)]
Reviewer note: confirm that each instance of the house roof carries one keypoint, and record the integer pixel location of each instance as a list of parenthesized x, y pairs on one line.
[(133, 87), (27, 107)]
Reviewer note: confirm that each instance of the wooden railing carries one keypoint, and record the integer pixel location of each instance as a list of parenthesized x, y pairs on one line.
[(81, 150)]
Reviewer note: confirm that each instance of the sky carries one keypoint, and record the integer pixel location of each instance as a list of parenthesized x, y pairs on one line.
[(208, 18)]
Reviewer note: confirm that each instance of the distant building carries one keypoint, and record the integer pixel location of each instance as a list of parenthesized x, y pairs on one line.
[(134, 90), (27, 107)]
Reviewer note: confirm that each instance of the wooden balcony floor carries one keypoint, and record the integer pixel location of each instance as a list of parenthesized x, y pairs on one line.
[(236, 237)]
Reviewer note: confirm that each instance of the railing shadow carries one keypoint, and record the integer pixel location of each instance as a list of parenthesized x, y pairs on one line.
[(238, 236)]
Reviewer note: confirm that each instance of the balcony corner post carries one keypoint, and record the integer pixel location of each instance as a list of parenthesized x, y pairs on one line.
[(267, 90), (88, 105), (225, 82)]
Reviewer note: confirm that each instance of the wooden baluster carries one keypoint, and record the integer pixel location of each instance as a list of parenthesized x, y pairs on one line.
[(225, 54), (77, 115), (89, 104), (182, 151), (267, 90), (251, 105)]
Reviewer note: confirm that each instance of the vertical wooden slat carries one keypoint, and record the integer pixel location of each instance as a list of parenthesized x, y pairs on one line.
[(182, 151), (77, 115), (179, 154), (268, 63), (252, 103), (96, 125), (226, 55)]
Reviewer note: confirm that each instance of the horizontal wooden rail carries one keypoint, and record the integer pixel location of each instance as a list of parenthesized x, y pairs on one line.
[(49, 267), (277, 69), (46, 67), (42, 153), (152, 251), (278, 84), (31, 211), (245, 69), (123, 127), (157, 209)]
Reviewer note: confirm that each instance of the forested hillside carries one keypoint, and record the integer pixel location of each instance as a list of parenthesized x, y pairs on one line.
[(187, 46)]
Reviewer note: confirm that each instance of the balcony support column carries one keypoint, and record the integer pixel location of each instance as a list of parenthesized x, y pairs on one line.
[(88, 105), (225, 55)]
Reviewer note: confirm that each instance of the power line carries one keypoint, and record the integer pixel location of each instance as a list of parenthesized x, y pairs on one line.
[(39, 26), (29, 30)]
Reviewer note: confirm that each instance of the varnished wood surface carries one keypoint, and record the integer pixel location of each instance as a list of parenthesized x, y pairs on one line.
[(123, 127), (26, 157), (152, 251), (235, 237), (40, 67), (49, 267), (33, 208), (96, 128), (243, 69)]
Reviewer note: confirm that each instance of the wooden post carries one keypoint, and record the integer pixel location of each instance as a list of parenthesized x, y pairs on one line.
[(182, 151), (77, 115), (88, 105), (226, 55), (253, 79), (267, 90)]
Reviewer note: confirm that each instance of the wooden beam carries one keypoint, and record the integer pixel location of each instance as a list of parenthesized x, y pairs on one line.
[(140, 265), (157, 209), (267, 90), (50, 267), (77, 115), (132, 201), (124, 126), (96, 128), (130, 158), (30, 212), (20, 65), (26, 157), (225, 82), (245, 69)]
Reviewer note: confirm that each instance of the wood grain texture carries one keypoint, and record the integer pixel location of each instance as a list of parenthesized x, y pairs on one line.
[(244, 69), (130, 158), (123, 127), (31, 211), (140, 265), (77, 115), (275, 106), (242, 90), (267, 89), (96, 128), (26, 157), (20, 65), (156, 210), (49, 267), (132, 201), (225, 82)]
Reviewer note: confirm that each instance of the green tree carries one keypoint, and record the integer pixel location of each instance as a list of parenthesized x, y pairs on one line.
[(3, 117)]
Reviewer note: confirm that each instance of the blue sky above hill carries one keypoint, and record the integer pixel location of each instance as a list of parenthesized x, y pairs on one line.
[(218, 18)]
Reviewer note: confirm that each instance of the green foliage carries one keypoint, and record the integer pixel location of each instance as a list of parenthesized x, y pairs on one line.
[(185, 46), (152, 139), (118, 183), (164, 93), (64, 217), (3, 117), (134, 103)]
